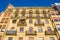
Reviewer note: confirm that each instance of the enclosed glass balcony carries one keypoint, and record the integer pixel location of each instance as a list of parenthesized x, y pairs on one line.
[(11, 32)]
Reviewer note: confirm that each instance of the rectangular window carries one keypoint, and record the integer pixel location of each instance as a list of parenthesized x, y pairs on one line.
[(41, 38), (58, 26), (45, 15), (30, 21), (55, 20), (51, 38), (20, 38), (31, 38), (30, 14), (39, 21), (10, 38), (40, 29), (21, 29), (37, 15)]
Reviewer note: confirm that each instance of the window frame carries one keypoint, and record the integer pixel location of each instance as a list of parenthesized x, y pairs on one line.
[(21, 29), (40, 29)]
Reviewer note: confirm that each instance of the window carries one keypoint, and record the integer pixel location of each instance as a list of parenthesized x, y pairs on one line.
[(10, 38), (21, 29), (40, 29), (0, 26), (30, 21), (30, 15), (49, 29), (3, 28), (20, 38), (58, 27), (31, 38), (52, 14), (51, 38), (46, 21), (38, 21), (37, 15), (56, 20), (30, 29), (41, 38), (44, 15), (3, 19)]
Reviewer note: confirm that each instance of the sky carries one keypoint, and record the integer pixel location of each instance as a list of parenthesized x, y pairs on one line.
[(24, 3)]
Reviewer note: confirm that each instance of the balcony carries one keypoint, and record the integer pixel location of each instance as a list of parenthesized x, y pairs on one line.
[(14, 20), (46, 16), (22, 17), (50, 33), (22, 22), (39, 24), (33, 33), (30, 17), (37, 17), (11, 32)]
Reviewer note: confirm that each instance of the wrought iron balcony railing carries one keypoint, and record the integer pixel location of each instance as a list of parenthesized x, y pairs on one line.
[(33, 33), (50, 33), (39, 24)]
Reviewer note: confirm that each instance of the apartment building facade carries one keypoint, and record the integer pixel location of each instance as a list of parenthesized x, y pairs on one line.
[(30, 23)]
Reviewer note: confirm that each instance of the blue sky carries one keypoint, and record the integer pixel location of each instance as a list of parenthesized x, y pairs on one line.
[(4, 3)]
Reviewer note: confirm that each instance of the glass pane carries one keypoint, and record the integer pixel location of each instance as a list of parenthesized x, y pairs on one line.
[(40, 29), (21, 29), (38, 21), (30, 29), (30, 21)]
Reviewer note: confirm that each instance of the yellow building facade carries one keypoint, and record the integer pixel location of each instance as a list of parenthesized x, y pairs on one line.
[(29, 23)]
